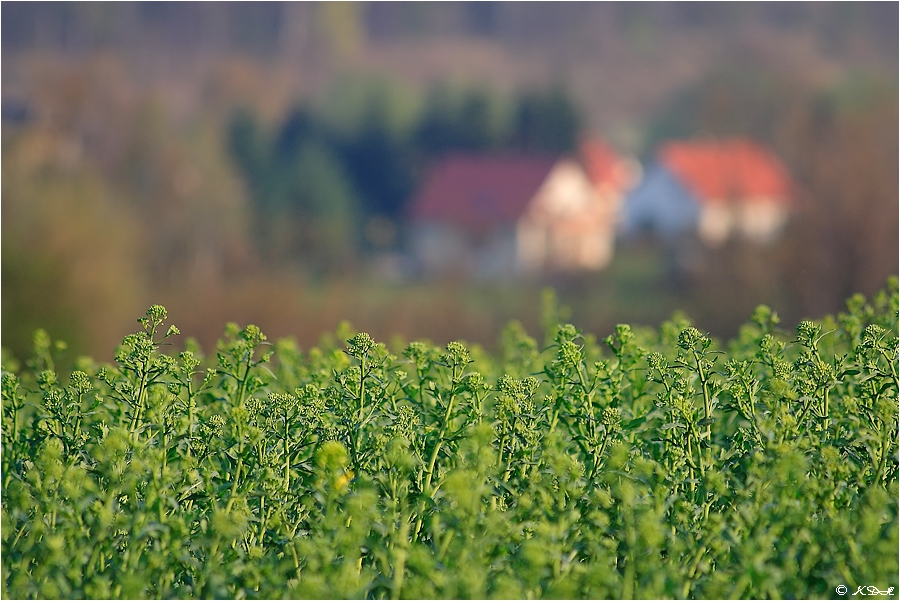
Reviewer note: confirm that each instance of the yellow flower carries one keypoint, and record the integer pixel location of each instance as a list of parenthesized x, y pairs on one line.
[(344, 479)]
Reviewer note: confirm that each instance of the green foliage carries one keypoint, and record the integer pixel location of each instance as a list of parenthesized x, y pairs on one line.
[(547, 121), (651, 464), (328, 167), (305, 203)]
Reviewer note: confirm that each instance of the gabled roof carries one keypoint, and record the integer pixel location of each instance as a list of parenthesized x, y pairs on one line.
[(603, 165), (660, 203), (480, 192), (730, 170)]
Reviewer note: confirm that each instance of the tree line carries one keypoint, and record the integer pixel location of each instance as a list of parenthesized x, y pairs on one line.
[(324, 180)]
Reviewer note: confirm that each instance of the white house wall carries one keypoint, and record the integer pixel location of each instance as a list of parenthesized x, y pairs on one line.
[(761, 219), (566, 192), (596, 252), (716, 223), (758, 220), (567, 225)]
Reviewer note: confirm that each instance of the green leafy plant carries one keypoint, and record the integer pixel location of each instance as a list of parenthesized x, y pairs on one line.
[(653, 464)]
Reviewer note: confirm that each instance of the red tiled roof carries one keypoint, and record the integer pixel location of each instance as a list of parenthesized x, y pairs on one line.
[(730, 170), (603, 165), (480, 192)]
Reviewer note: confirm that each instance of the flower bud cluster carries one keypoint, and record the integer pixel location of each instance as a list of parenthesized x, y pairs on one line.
[(657, 361), (808, 334), (690, 337), (81, 382), (457, 355), (360, 345), (612, 417)]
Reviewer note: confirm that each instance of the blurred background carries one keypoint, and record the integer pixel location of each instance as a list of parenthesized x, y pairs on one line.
[(425, 170)]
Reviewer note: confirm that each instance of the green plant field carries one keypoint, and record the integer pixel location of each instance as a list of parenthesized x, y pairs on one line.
[(648, 464)]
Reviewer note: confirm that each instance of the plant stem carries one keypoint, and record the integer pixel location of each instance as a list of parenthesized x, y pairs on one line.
[(399, 559), (139, 405), (437, 446), (287, 456), (707, 402)]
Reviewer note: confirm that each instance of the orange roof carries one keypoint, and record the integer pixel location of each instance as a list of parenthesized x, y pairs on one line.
[(479, 192), (603, 165), (729, 170)]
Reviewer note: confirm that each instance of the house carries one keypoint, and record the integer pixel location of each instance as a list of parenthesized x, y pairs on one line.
[(612, 174), (503, 216), (715, 189)]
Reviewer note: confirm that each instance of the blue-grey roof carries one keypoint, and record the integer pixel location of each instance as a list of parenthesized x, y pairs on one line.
[(659, 204)]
